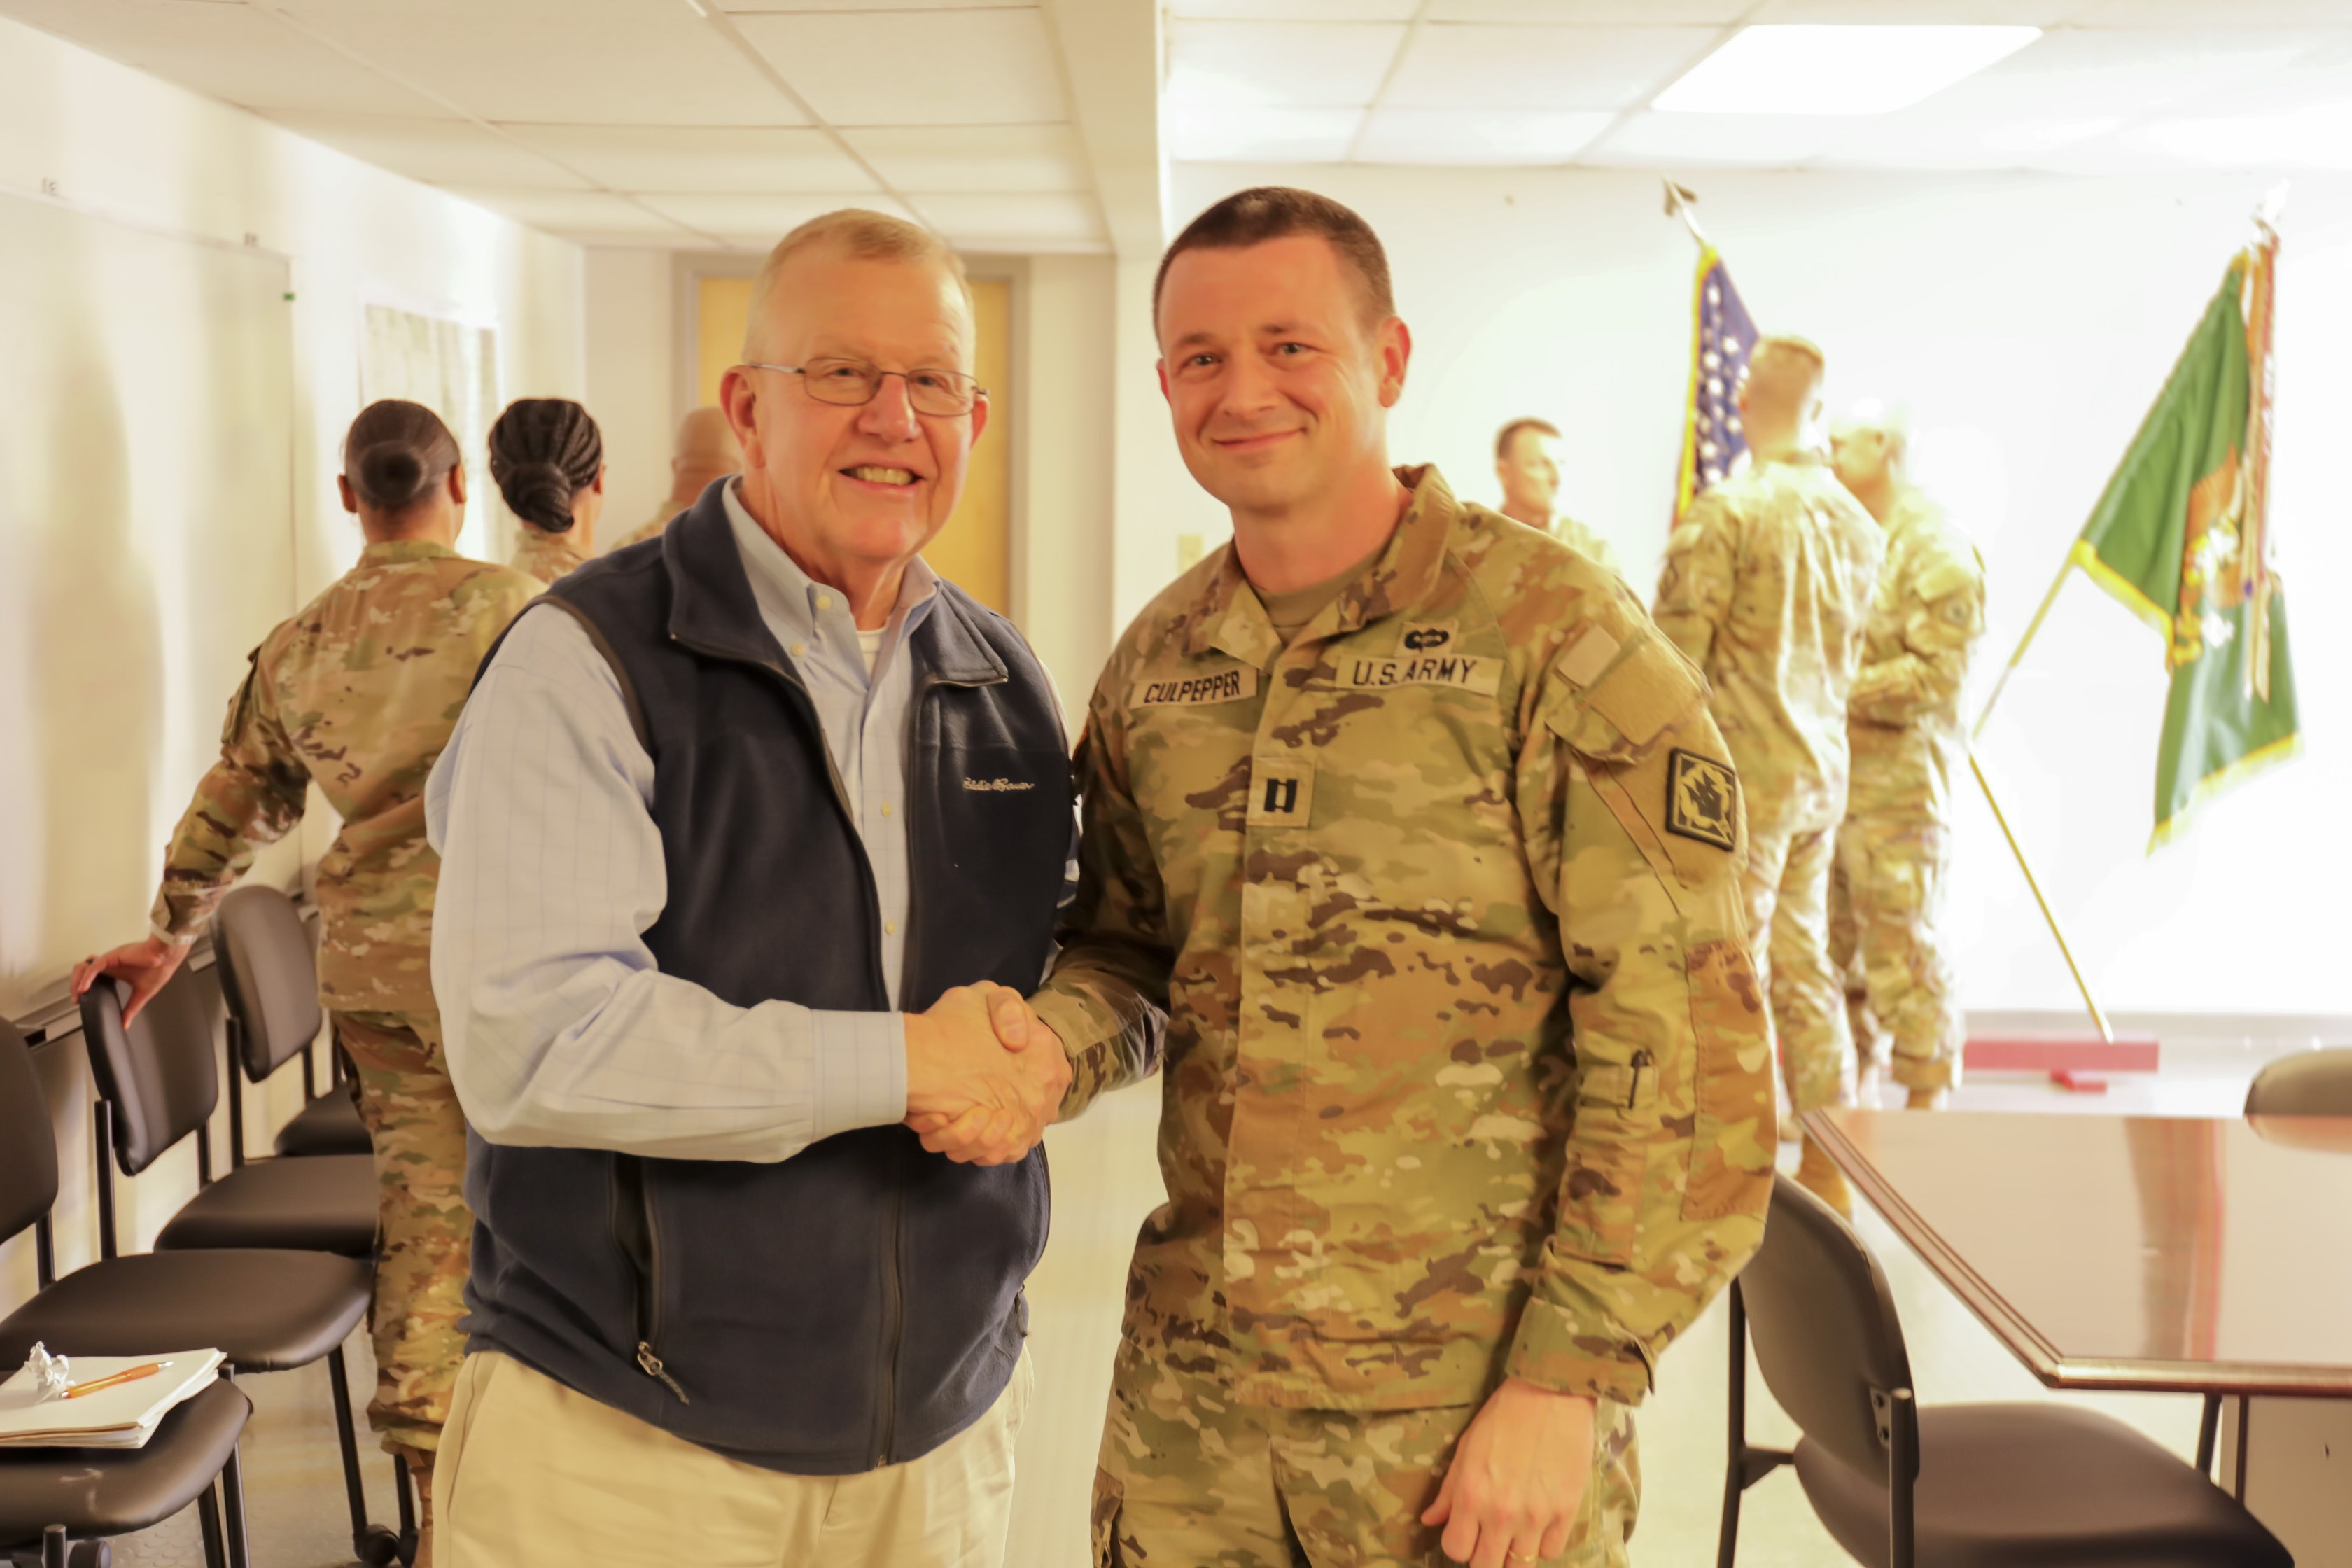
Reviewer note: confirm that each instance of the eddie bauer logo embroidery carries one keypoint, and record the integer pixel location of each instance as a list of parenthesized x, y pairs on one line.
[(997, 786), (1702, 799)]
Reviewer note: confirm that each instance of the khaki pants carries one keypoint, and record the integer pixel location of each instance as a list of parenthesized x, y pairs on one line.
[(425, 1232), (533, 1475)]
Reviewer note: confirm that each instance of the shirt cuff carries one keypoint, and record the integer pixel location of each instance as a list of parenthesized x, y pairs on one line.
[(861, 1071), (1553, 1351)]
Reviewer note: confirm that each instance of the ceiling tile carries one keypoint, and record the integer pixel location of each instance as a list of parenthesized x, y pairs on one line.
[(2311, 136), (774, 214), (437, 151), (900, 67), (2073, 73), (1474, 64), (2212, 13), (573, 214), (1296, 10), (1298, 65), (1913, 142), (975, 157), (1942, 13), (986, 222), (1595, 13), (1239, 133), (1478, 135), (235, 53), (1733, 140), (546, 60), (700, 157)]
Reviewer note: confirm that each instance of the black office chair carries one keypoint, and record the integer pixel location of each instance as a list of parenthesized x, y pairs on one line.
[(264, 1310), (2310, 1083), (1961, 1485), (157, 1081), (269, 980)]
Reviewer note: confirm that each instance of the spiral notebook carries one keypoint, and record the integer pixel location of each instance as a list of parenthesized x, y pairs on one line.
[(120, 1417)]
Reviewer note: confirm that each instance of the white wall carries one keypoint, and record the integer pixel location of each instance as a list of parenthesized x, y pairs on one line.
[(110, 140), (631, 382), (2029, 322)]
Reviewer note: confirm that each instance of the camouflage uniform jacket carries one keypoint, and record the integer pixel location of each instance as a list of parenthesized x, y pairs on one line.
[(653, 528), (1465, 1066), (1904, 717), (1578, 537), (358, 694), (547, 556), (1767, 586)]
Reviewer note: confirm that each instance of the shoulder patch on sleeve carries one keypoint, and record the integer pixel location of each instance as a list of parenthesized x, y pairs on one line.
[(1702, 799), (1640, 686)]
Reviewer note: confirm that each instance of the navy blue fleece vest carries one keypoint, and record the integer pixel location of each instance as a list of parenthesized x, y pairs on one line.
[(859, 1303)]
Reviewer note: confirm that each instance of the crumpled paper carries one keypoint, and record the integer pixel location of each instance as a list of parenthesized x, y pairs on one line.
[(52, 1374)]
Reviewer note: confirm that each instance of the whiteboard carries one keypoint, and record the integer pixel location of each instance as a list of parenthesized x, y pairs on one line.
[(146, 544)]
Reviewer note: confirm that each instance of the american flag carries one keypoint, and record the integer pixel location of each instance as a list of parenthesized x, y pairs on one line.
[(1722, 337)]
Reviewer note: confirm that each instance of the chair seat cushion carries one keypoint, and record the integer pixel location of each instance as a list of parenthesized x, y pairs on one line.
[(329, 1124), (113, 1491), (322, 1204), (2040, 1486), (267, 1312)]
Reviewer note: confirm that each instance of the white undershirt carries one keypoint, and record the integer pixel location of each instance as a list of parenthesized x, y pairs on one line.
[(870, 645)]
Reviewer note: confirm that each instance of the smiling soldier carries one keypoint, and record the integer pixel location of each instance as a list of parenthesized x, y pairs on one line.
[(1401, 808)]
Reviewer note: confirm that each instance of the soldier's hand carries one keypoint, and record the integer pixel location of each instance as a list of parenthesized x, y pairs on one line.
[(1511, 1496), (148, 965), (982, 1096)]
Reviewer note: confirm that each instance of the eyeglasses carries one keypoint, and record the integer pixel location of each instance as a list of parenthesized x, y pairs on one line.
[(850, 383)]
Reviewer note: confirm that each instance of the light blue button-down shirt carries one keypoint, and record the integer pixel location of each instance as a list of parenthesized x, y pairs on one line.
[(560, 1030)]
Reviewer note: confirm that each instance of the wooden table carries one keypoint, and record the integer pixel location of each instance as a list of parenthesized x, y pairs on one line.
[(2128, 1252)]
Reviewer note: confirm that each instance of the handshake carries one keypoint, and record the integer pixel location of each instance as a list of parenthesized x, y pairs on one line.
[(986, 1075)]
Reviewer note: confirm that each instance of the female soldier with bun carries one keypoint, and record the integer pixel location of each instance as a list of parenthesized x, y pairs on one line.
[(548, 459), (358, 694)]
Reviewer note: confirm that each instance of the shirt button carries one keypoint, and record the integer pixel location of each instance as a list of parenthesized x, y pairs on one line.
[(885, 808), (800, 651), (825, 601), (890, 928)]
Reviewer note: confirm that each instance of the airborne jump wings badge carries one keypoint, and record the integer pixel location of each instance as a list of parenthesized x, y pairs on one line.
[(1702, 799)]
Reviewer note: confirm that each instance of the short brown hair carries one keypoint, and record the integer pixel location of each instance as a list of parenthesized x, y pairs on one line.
[(1504, 438), (865, 236), (1276, 212), (1783, 366)]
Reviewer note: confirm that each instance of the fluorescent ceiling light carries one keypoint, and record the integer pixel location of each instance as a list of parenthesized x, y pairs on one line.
[(1822, 69)]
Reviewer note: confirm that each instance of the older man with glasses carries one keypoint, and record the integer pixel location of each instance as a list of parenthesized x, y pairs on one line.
[(752, 838)]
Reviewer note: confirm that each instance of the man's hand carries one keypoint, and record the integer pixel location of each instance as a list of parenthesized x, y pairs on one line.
[(1518, 1479), (976, 1089), (149, 966)]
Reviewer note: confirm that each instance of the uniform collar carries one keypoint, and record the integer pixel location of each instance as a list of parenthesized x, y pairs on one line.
[(392, 550), (1229, 618)]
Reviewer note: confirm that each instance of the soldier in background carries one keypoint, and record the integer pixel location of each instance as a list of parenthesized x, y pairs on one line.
[(1766, 588), (1526, 464), (548, 459), (706, 449), (358, 694), (1444, 1181), (1902, 723)]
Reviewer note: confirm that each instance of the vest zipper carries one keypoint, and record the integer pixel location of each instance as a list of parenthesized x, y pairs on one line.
[(893, 1310), (629, 1177)]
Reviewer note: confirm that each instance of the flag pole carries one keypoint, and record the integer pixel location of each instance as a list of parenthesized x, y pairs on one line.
[(1679, 202), (2035, 883), (2025, 642)]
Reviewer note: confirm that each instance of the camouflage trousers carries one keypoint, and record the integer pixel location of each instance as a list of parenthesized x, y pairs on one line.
[(1785, 882), (425, 1232), (1886, 906), (1189, 1478)]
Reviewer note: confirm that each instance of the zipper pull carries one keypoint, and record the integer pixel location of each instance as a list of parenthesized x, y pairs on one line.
[(651, 1365), (1642, 1062)]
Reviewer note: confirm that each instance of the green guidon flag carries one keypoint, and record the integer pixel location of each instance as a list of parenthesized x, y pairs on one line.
[(2181, 538)]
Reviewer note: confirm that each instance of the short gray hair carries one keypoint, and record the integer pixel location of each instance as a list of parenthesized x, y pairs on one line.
[(863, 234)]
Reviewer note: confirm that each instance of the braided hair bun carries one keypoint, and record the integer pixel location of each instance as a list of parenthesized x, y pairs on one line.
[(543, 452), (396, 452)]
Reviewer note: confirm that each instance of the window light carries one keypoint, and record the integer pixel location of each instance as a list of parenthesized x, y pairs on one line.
[(1824, 69)]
